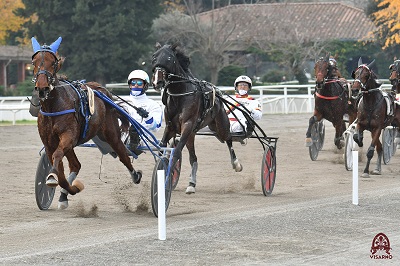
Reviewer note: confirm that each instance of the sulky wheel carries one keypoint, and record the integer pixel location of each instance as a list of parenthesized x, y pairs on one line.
[(44, 194), (348, 152), (160, 165), (268, 170), (388, 144), (317, 137)]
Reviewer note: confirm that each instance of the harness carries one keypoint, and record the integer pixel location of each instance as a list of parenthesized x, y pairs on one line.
[(81, 108), (319, 95), (200, 86)]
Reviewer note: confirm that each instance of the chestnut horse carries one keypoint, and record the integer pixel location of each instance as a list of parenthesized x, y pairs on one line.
[(332, 99), (64, 120), (375, 112), (190, 105)]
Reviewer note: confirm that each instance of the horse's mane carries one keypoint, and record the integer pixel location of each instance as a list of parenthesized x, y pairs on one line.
[(183, 59), (373, 80)]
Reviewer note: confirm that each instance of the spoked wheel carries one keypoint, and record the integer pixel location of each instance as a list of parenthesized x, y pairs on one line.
[(388, 144), (268, 170), (160, 165), (176, 169), (348, 152), (318, 138), (44, 194)]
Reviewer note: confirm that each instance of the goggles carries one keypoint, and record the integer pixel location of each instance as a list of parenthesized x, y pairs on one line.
[(138, 82)]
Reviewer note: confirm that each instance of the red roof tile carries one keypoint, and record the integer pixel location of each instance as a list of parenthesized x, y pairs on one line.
[(312, 21)]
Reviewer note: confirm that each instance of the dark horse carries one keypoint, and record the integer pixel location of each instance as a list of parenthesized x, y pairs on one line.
[(332, 99), (190, 105), (375, 112), (394, 79), (63, 124)]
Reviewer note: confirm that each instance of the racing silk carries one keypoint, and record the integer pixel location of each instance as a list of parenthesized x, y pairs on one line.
[(251, 104), (153, 121)]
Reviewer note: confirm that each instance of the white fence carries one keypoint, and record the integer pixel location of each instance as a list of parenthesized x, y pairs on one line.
[(275, 99)]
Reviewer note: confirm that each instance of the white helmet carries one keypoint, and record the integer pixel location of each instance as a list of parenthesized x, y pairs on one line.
[(140, 74), (243, 79)]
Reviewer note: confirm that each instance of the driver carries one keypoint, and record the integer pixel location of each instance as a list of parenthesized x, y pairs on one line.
[(141, 108), (238, 121)]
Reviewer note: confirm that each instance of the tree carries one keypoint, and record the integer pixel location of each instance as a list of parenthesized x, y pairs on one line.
[(211, 37), (387, 20), (9, 22), (103, 40)]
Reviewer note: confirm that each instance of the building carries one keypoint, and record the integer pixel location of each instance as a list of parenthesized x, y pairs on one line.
[(21, 56)]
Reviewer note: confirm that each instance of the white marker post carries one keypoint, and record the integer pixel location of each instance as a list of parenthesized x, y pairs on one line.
[(355, 177), (162, 234)]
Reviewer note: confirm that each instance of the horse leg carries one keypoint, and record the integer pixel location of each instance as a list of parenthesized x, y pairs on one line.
[(339, 139), (358, 137), (234, 160), (378, 169), (311, 122), (397, 138), (56, 175), (74, 167), (193, 163), (370, 154), (120, 149)]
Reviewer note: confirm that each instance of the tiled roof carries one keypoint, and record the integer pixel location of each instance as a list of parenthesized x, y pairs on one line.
[(313, 21), (17, 53)]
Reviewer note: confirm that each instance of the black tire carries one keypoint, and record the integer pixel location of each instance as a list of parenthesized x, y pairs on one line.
[(317, 139), (268, 170), (388, 145), (160, 165), (176, 169), (44, 194), (348, 152)]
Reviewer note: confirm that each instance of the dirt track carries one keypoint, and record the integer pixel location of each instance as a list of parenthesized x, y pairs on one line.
[(309, 219)]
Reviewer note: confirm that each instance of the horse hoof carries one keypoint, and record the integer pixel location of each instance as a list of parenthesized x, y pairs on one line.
[(190, 190), (237, 166), (376, 172), (365, 175), (51, 181), (62, 205), (136, 176), (78, 184), (308, 142)]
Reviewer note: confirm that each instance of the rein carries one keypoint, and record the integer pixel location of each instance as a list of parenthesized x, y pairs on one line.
[(182, 80)]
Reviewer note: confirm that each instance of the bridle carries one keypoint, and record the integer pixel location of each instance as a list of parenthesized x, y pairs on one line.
[(358, 77), (50, 76)]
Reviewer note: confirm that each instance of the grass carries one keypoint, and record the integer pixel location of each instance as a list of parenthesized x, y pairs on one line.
[(18, 122)]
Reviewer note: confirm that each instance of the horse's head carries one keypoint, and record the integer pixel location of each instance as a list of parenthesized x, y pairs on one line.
[(364, 78), (167, 60), (395, 72), (46, 64), (321, 70), (325, 68)]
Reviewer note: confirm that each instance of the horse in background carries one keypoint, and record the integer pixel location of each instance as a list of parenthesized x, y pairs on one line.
[(394, 79), (375, 112), (332, 99), (68, 117), (190, 104)]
